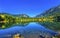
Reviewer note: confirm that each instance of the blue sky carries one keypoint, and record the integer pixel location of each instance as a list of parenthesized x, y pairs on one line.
[(29, 7)]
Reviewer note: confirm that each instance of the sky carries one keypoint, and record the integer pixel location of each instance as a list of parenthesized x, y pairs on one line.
[(29, 7)]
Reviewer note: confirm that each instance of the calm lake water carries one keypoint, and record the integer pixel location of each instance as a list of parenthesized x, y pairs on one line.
[(31, 28)]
